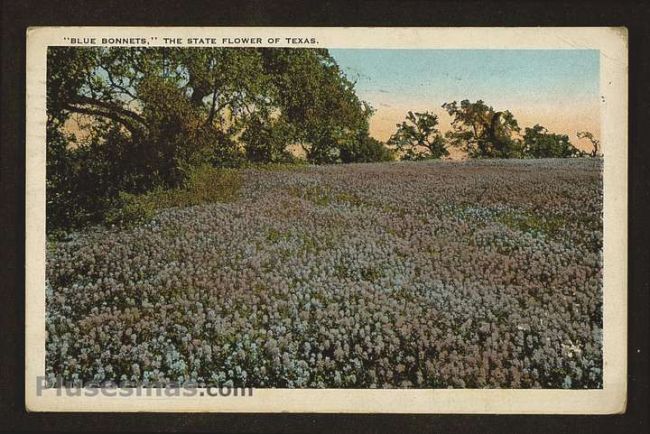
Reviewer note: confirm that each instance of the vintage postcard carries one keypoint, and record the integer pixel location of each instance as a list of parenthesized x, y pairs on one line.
[(355, 220)]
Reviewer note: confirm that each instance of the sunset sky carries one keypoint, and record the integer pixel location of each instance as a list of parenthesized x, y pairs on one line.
[(558, 89)]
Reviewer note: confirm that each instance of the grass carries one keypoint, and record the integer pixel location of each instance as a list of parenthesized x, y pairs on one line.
[(278, 167), (275, 235), (205, 184), (528, 222)]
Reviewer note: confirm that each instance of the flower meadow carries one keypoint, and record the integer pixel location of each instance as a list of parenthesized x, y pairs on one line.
[(474, 274)]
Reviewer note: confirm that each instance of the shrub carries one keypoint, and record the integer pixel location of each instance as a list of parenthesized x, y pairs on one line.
[(365, 149), (540, 143)]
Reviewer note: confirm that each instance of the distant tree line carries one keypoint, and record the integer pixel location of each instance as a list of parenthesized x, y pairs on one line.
[(481, 132)]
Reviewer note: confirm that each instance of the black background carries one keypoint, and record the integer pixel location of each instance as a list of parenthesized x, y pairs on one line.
[(18, 15)]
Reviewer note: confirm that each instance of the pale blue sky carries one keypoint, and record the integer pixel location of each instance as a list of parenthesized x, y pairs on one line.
[(538, 76)]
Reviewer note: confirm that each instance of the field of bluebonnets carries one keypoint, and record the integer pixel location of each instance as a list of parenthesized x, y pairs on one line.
[(426, 274)]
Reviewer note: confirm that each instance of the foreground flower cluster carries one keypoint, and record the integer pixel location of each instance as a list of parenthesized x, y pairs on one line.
[(434, 274)]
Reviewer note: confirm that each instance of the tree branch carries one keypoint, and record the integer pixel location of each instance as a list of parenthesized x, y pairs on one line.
[(111, 79), (109, 106), (128, 124)]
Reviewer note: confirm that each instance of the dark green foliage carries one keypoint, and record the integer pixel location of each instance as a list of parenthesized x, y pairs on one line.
[(540, 143), (83, 182), (153, 114), (317, 99), (483, 132), (418, 138), (365, 149), (266, 141)]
